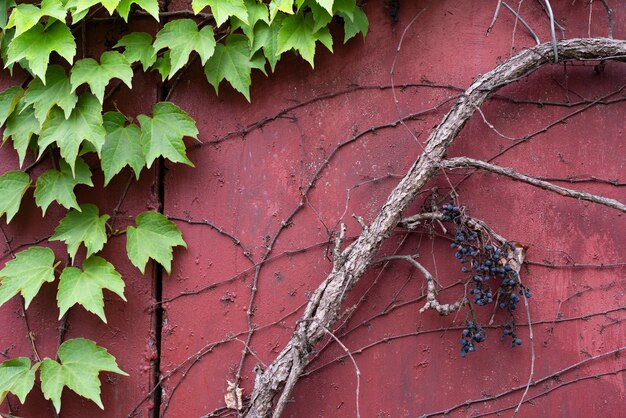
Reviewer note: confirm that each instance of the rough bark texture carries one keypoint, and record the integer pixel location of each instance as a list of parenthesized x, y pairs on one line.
[(321, 311)]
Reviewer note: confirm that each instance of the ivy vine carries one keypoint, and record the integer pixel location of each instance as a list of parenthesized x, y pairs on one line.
[(58, 110)]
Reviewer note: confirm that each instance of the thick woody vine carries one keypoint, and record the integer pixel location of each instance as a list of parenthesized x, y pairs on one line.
[(225, 37), (279, 378)]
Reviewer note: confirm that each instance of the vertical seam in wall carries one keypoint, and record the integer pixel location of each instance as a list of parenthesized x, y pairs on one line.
[(157, 283), (157, 314), (157, 294)]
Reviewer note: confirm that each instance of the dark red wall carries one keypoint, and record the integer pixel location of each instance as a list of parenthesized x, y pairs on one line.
[(248, 184)]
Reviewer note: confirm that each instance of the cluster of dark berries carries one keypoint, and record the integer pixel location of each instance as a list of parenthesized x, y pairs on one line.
[(484, 264), (487, 263), (508, 295), (451, 213), (465, 241), (511, 285), (472, 335), (482, 296), (509, 330)]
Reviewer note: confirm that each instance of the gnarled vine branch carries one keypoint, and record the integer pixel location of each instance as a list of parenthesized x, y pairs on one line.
[(322, 309)]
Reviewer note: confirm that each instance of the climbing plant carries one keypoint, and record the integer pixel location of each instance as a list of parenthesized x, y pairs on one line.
[(57, 111)]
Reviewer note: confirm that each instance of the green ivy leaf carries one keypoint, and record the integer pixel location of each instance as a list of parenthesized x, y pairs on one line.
[(57, 90), (256, 12), (110, 5), (182, 36), (345, 7), (6, 37), (85, 287), (112, 65), (321, 16), (21, 126), (78, 16), (36, 45), (323, 35), (285, 6), (78, 7), (150, 6), (154, 237), (26, 273), (84, 124), (82, 226), (13, 185), (81, 361), (54, 185), (163, 65), (138, 47), (326, 4), (17, 377), (352, 27), (297, 32), (5, 6), (25, 16), (122, 147), (222, 9), (9, 99), (231, 61), (266, 37), (162, 135)]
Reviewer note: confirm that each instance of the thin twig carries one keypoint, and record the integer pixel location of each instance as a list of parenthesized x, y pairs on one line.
[(431, 292), (589, 20), (552, 31), (576, 265), (495, 17), (349, 312), (531, 337), (533, 181), (243, 132), (120, 201), (556, 23), (516, 388), (236, 241), (585, 179), (600, 100), (493, 128), (199, 355), (547, 391), (389, 338), (351, 357), (392, 74), (609, 14), (526, 25), (29, 333)]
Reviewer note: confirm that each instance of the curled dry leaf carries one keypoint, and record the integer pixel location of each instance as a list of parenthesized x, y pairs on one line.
[(516, 257), (233, 396)]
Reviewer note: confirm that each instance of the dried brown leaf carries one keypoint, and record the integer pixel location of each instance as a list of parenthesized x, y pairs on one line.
[(233, 396)]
